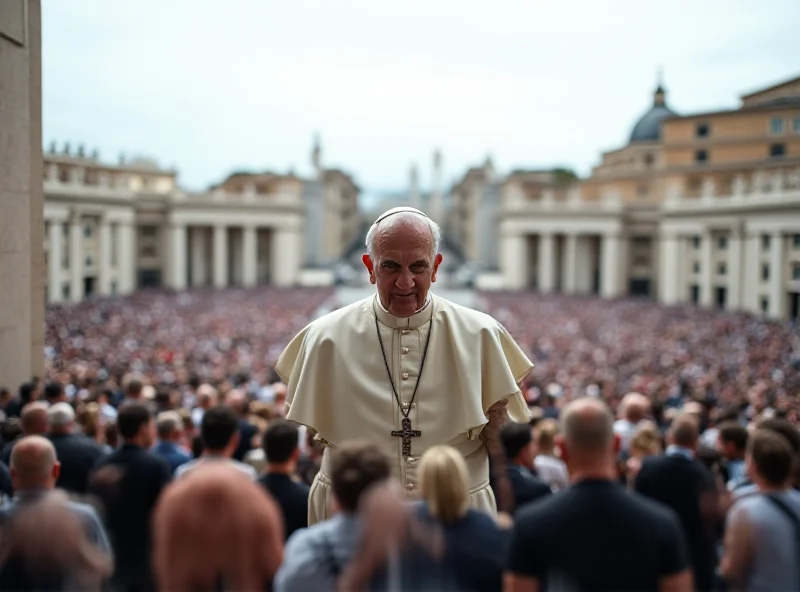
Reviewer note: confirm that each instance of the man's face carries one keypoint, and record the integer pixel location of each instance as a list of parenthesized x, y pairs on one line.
[(403, 269)]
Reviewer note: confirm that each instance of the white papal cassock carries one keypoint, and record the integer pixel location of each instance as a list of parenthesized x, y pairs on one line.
[(338, 385)]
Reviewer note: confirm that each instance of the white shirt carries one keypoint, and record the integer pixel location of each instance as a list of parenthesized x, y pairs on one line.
[(193, 464)]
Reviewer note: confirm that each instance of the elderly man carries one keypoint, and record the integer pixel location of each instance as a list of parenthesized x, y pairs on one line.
[(34, 423), (78, 454), (405, 369)]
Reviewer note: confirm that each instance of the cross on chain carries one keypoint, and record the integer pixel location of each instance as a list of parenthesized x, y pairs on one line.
[(406, 434)]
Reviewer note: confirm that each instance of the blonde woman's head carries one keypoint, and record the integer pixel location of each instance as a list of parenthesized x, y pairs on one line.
[(444, 483), (646, 440)]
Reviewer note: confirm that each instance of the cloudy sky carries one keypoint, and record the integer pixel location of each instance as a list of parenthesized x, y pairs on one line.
[(211, 86)]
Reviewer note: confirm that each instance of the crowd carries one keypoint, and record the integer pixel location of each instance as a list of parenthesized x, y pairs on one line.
[(661, 456)]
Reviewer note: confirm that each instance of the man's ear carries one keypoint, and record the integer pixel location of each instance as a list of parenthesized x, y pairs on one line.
[(561, 446), (367, 260), (437, 261)]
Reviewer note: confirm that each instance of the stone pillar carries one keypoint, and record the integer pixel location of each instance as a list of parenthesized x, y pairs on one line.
[(249, 256), (126, 258), (104, 267), (777, 282), (752, 272), (198, 246), (55, 255), (75, 259), (22, 266), (735, 269), (706, 269), (571, 264), (609, 265), (514, 261), (220, 256), (547, 270), (671, 281), (584, 265), (285, 256), (177, 256)]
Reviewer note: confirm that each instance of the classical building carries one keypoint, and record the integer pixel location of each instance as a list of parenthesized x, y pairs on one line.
[(698, 208), (111, 229)]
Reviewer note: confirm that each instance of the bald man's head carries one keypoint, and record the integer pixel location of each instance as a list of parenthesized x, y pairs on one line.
[(237, 400), (635, 407), (685, 430), (33, 419), (34, 464), (588, 426)]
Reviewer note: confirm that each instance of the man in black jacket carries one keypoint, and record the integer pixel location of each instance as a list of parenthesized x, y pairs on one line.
[(281, 450), (684, 484), (77, 454), (129, 482), (520, 451)]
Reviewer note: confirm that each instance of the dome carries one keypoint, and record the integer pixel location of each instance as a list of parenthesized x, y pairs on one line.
[(648, 128)]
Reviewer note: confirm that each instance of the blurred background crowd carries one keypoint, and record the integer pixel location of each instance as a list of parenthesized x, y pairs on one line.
[(141, 392)]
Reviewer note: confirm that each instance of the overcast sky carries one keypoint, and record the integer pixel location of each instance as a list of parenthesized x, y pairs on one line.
[(213, 86)]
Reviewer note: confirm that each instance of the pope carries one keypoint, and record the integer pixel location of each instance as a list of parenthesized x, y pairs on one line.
[(404, 368)]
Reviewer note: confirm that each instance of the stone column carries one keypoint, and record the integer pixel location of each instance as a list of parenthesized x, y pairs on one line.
[(54, 257), (735, 275), (220, 256), (706, 269), (198, 246), (752, 272), (671, 279), (514, 261), (126, 258), (104, 277), (249, 256), (75, 259), (609, 265), (285, 256), (547, 275), (177, 256), (571, 264), (777, 282)]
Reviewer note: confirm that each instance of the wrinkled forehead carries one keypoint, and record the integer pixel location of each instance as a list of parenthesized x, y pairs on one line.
[(405, 240)]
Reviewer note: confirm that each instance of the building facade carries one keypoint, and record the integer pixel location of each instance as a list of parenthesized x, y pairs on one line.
[(112, 229), (701, 208)]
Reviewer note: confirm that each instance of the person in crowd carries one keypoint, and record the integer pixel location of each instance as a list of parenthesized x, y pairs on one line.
[(128, 482), (169, 428), (134, 392), (111, 433), (220, 436), (595, 535), (281, 450), (634, 409), (315, 557), (214, 529), (732, 443), (5, 399), (48, 542), (206, 399), (33, 420), (77, 454), (520, 451), (237, 400), (549, 468), (54, 393), (336, 381), (646, 442), (26, 396), (474, 545), (762, 534), (680, 482)]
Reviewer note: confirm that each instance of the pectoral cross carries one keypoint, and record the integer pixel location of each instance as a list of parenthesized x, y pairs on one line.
[(406, 434)]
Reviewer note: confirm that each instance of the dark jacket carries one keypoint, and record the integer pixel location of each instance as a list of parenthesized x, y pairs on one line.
[(77, 455), (526, 486)]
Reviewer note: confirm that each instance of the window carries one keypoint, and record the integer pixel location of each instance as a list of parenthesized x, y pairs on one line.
[(765, 272), (702, 130), (147, 251), (796, 270), (722, 269), (65, 292), (89, 261), (696, 267), (776, 125), (696, 242), (701, 157), (777, 150), (722, 243), (87, 231), (765, 242), (148, 230), (764, 304), (648, 158), (796, 241), (796, 124), (113, 287)]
